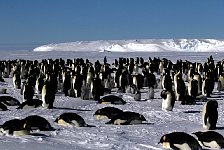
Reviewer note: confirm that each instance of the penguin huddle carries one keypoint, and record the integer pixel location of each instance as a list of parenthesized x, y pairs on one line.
[(20, 127), (87, 81), (119, 117)]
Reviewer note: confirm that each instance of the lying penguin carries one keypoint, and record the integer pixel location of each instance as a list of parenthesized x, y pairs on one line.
[(210, 139), (179, 141), (35, 122), (127, 118), (112, 99), (15, 127), (9, 100), (71, 119), (107, 112), (33, 103)]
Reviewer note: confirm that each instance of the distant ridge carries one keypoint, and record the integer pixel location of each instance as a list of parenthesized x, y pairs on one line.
[(141, 45)]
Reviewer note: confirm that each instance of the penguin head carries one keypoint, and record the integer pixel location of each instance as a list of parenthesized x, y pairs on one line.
[(165, 141), (142, 118), (163, 94), (98, 112), (212, 104), (164, 138), (198, 134), (56, 120)]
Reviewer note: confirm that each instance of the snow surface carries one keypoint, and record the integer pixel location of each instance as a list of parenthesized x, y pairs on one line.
[(149, 45), (186, 118)]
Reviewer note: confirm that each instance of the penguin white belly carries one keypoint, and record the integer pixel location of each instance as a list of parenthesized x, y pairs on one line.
[(183, 146), (21, 133), (73, 123), (163, 84), (99, 117), (166, 145), (212, 144), (119, 121), (166, 104), (135, 81)]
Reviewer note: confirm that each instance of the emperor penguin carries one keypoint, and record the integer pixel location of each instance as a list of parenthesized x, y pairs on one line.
[(15, 127), (48, 95), (207, 87), (28, 92), (167, 80), (71, 119), (193, 88), (32, 103), (197, 77), (151, 84), (39, 84), (210, 139), (85, 91), (179, 141), (220, 86), (1, 79), (210, 115), (127, 118), (179, 86), (16, 80), (107, 112), (168, 100), (35, 122), (9, 100), (112, 99)]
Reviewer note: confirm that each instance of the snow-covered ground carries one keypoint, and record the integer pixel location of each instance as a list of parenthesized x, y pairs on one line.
[(150, 45), (186, 118)]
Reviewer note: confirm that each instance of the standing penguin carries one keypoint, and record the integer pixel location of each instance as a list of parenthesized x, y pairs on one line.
[(48, 95), (151, 84), (28, 92), (210, 115), (207, 87), (16, 80), (210, 139), (179, 141), (168, 100)]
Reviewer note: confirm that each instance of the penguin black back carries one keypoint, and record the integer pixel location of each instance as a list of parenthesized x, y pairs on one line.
[(35, 122), (180, 141), (109, 112), (210, 139)]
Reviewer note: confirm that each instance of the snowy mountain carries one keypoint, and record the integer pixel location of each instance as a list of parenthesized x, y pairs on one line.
[(151, 45)]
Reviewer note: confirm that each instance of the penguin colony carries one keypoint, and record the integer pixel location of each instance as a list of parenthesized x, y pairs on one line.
[(182, 81)]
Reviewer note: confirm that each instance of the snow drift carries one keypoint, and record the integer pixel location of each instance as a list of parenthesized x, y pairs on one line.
[(151, 45)]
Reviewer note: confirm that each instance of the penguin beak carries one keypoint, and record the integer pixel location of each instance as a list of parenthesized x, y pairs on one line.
[(56, 120)]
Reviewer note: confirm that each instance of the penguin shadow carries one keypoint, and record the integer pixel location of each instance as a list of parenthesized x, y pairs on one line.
[(219, 128), (192, 112), (65, 108), (147, 123), (39, 135)]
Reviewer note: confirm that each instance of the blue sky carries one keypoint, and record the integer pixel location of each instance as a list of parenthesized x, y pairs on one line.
[(54, 21)]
